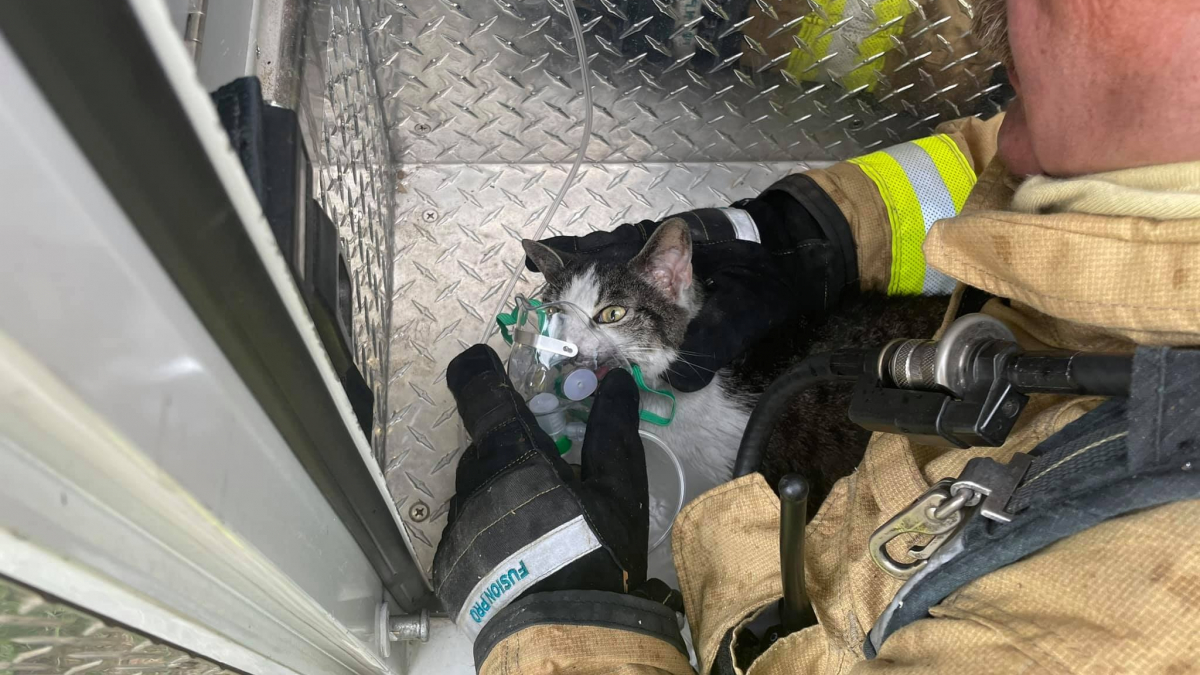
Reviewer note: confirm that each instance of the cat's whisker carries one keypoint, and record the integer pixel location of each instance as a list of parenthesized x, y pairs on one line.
[(692, 365), (640, 350), (678, 355)]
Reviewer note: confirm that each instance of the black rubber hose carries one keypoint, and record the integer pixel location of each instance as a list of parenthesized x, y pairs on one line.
[(1072, 373), (826, 367)]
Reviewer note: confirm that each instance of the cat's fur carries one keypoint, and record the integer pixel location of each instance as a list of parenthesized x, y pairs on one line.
[(656, 288), (815, 438)]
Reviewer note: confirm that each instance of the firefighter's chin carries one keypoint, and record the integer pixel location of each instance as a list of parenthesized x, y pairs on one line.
[(1014, 144)]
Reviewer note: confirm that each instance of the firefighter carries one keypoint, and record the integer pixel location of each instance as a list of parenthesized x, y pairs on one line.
[(1078, 214)]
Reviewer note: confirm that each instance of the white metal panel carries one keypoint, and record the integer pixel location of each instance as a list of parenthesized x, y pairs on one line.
[(230, 41), (84, 515), (174, 59), (85, 296)]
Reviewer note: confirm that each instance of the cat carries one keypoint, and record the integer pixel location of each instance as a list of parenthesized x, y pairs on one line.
[(643, 308)]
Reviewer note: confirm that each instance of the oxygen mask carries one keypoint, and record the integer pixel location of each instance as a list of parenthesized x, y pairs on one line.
[(557, 349), (558, 357)]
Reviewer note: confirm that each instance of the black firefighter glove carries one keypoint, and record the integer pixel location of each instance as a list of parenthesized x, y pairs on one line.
[(788, 251), (528, 542)]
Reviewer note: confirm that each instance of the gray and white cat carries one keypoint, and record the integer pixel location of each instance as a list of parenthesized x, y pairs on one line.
[(644, 306)]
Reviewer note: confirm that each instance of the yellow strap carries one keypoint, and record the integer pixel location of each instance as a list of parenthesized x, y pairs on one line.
[(915, 199), (802, 63), (873, 49)]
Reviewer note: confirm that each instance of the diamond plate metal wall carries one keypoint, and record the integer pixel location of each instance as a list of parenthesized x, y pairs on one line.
[(355, 179), (693, 108), (40, 636)]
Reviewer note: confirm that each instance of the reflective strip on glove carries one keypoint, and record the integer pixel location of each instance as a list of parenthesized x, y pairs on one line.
[(521, 519), (920, 182), (528, 565), (744, 227)]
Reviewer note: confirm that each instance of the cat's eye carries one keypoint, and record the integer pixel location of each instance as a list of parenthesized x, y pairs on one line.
[(611, 314)]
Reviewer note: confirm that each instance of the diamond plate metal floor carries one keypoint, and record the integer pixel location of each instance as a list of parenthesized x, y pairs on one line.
[(484, 114), (41, 636)]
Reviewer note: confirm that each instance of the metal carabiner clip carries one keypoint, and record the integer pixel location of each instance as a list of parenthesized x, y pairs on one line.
[(918, 518)]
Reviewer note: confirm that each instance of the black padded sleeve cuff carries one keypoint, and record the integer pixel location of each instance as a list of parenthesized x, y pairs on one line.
[(581, 608), (835, 227)]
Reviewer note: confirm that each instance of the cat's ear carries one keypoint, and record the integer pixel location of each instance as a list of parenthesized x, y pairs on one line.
[(548, 261), (666, 259)]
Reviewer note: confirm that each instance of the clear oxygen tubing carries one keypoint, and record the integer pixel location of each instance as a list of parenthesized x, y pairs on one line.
[(585, 75)]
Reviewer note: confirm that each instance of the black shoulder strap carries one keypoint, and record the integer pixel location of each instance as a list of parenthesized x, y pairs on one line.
[(972, 300), (1123, 456)]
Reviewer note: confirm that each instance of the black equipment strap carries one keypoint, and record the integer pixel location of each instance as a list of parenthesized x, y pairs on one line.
[(1124, 456)]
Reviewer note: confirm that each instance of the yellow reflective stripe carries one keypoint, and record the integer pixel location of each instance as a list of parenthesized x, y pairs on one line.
[(953, 165), (872, 50), (915, 198), (905, 216), (801, 62)]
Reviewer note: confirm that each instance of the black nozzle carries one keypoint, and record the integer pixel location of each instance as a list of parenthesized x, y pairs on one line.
[(793, 513)]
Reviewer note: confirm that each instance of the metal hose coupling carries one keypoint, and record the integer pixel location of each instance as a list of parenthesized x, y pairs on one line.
[(969, 387), (909, 364), (945, 364)]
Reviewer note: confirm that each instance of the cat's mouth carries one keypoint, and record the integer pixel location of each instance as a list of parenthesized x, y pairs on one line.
[(601, 366)]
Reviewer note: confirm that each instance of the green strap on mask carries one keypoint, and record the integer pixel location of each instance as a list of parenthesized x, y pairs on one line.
[(646, 415), (506, 321)]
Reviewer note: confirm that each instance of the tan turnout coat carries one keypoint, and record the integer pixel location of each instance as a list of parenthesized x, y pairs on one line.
[(1096, 263)]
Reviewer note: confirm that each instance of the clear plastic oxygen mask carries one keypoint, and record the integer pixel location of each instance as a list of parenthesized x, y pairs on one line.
[(555, 365), (550, 371)]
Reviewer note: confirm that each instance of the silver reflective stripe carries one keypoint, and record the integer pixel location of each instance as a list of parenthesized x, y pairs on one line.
[(743, 225), (935, 199), (535, 561)]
